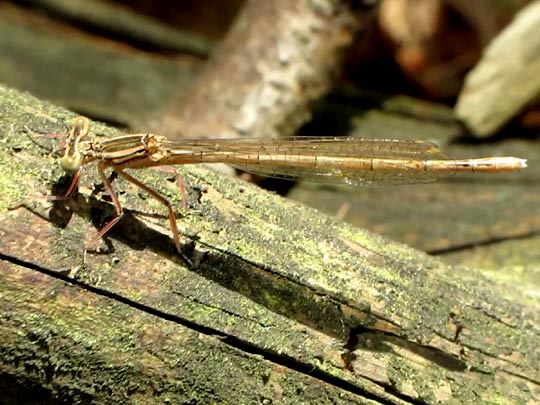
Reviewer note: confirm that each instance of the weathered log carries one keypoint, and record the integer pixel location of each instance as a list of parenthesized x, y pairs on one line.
[(280, 302)]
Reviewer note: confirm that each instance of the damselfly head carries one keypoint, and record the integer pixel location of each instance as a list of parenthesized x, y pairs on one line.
[(71, 163), (72, 159)]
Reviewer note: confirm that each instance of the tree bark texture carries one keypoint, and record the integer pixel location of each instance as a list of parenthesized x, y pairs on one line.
[(280, 303)]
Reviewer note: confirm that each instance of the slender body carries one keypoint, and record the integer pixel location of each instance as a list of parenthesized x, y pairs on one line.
[(363, 162)]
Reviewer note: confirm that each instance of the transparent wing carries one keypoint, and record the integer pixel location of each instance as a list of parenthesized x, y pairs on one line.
[(329, 160)]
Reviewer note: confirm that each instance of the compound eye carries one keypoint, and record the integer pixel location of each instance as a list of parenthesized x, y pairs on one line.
[(80, 127), (70, 164), (71, 160)]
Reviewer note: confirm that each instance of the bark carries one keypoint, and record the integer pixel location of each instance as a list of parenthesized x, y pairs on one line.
[(277, 60), (281, 303)]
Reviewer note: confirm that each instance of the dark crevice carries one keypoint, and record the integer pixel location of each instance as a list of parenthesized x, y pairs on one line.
[(354, 342), (522, 376), (350, 345), (232, 341), (311, 371), (487, 242)]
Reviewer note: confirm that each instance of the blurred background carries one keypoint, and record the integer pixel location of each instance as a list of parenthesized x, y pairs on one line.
[(462, 74)]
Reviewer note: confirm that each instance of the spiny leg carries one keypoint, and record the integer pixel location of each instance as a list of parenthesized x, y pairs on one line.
[(161, 199), (179, 182), (117, 206), (70, 191), (73, 186)]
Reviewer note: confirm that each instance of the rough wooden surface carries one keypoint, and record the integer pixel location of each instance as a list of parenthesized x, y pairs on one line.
[(127, 87), (282, 303)]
